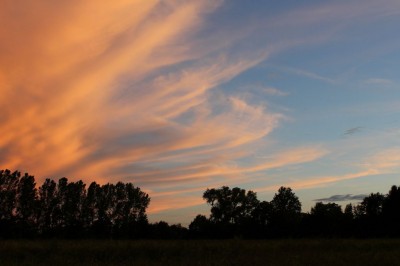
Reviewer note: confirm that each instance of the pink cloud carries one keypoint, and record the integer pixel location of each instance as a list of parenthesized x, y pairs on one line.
[(130, 91)]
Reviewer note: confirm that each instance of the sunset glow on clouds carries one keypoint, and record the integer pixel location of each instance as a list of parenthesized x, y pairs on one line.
[(178, 96)]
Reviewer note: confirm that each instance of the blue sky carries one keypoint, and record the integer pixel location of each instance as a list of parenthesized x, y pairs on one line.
[(180, 96)]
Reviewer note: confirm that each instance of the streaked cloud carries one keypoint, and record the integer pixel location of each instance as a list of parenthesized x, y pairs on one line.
[(274, 91), (132, 90), (266, 90), (385, 161), (321, 181), (346, 197), (118, 92), (352, 130), (305, 73), (378, 81)]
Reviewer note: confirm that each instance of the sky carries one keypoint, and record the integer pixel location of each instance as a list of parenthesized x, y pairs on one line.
[(178, 96)]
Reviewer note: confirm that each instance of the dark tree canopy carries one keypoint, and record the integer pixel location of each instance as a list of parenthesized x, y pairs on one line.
[(230, 205), (285, 202), (371, 206), (326, 219), (286, 211), (68, 209)]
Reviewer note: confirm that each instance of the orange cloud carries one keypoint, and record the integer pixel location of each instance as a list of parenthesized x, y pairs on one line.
[(129, 90), (384, 162), (319, 182)]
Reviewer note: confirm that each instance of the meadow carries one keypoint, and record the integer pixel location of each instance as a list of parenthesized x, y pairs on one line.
[(201, 252)]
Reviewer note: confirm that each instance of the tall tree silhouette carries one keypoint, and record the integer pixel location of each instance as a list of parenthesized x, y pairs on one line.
[(26, 205), (47, 206), (67, 209), (73, 207), (286, 212), (91, 205), (391, 211), (8, 192), (368, 216)]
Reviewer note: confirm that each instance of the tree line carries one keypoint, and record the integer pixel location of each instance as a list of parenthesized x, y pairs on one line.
[(237, 213), (66, 209)]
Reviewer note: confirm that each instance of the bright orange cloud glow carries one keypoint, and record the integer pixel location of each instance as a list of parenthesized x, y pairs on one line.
[(131, 91)]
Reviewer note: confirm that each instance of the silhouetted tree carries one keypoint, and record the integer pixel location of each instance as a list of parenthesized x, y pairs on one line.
[(73, 208), (262, 213), (372, 205), (48, 202), (391, 204), (160, 230), (26, 199), (231, 210), (286, 212), (68, 209), (326, 219), (201, 227), (348, 221), (230, 205), (26, 206), (129, 212), (348, 212), (368, 215), (8, 192), (91, 206), (391, 211)]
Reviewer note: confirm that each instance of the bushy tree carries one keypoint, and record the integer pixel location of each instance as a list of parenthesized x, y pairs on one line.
[(201, 227), (326, 219), (262, 213), (371, 206), (230, 206), (286, 212)]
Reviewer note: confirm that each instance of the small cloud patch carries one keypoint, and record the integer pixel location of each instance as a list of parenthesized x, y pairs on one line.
[(346, 197), (352, 131)]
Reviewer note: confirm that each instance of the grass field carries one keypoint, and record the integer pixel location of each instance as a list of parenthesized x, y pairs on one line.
[(201, 252)]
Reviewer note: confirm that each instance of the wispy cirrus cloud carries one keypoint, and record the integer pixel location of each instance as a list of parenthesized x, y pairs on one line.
[(275, 92), (320, 181), (113, 92), (306, 73), (386, 161), (129, 90), (378, 81)]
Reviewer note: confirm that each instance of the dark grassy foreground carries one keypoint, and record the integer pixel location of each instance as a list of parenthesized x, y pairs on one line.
[(201, 252)]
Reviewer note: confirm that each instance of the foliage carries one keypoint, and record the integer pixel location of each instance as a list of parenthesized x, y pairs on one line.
[(67, 209), (230, 205)]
